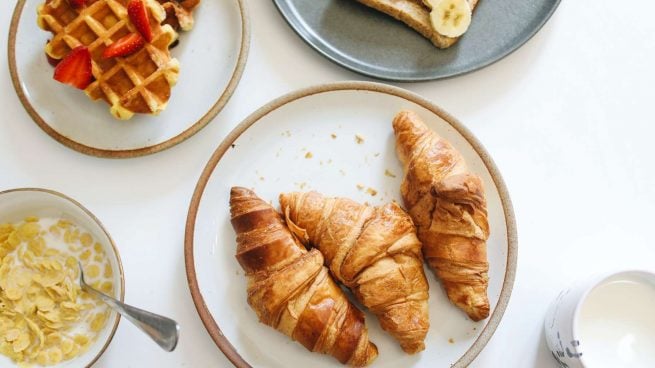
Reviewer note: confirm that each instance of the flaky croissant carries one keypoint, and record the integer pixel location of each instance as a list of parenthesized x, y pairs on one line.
[(448, 206), (373, 251), (290, 289)]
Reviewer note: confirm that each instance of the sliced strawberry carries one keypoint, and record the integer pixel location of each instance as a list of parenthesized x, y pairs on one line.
[(138, 13), (77, 3), (75, 68), (124, 46)]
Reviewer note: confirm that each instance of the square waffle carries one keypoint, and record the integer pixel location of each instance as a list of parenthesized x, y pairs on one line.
[(138, 83)]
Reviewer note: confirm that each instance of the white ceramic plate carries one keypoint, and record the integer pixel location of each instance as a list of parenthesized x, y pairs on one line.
[(16, 204), (268, 152), (212, 56)]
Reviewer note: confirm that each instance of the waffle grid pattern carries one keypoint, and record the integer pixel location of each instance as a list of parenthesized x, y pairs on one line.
[(139, 83)]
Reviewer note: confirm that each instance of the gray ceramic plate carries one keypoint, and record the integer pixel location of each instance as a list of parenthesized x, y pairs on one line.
[(374, 44)]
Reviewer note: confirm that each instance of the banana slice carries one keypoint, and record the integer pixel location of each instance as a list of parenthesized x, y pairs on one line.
[(450, 17)]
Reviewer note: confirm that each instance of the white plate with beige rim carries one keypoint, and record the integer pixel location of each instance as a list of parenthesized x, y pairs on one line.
[(50, 206), (212, 57), (336, 139)]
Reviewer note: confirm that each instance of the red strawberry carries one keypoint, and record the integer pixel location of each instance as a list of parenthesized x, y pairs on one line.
[(136, 9), (77, 3), (124, 46), (75, 68)]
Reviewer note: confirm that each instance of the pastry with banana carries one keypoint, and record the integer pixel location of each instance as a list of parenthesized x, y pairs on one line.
[(443, 22)]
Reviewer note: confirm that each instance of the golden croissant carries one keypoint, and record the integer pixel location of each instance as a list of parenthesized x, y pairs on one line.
[(373, 251), (290, 289), (448, 206)]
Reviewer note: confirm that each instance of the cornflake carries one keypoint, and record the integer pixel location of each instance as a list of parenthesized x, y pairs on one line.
[(45, 318)]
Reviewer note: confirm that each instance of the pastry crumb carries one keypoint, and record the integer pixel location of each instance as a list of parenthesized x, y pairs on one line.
[(233, 145), (342, 172), (377, 154), (359, 139), (286, 133), (329, 161), (451, 340), (389, 173), (308, 155), (359, 186), (371, 191), (301, 185), (262, 178), (334, 136)]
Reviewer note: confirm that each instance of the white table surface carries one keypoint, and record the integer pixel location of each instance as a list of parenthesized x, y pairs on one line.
[(569, 119)]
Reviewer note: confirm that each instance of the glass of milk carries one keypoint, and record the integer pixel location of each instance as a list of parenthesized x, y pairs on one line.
[(607, 321)]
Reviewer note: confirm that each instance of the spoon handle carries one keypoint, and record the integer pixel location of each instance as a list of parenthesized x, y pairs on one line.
[(164, 331)]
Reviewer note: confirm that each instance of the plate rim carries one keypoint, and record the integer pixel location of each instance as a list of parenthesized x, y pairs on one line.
[(102, 227), (512, 253), (208, 117), (295, 25)]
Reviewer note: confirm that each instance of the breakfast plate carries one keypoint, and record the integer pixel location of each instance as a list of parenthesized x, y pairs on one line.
[(212, 56), (337, 139), (94, 249), (371, 43)]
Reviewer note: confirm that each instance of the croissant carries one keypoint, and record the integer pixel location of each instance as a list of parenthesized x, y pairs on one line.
[(290, 289), (448, 206), (373, 251)]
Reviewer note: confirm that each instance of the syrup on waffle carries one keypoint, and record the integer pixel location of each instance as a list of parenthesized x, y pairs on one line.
[(139, 83)]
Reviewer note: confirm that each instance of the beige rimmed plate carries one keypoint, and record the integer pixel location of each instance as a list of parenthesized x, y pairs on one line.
[(212, 57), (17, 204), (336, 139)]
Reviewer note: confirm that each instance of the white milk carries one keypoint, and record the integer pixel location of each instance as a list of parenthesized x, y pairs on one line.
[(616, 324)]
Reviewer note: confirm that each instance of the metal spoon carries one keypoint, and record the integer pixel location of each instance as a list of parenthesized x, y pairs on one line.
[(164, 331)]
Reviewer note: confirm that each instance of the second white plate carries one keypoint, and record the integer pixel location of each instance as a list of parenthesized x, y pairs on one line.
[(336, 139)]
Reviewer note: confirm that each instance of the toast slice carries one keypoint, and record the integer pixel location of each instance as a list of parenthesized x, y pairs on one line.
[(416, 15)]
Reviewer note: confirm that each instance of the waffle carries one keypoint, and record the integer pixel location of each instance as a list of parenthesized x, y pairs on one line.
[(179, 13), (139, 83)]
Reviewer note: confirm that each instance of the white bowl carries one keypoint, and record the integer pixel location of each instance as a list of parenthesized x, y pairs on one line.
[(16, 204)]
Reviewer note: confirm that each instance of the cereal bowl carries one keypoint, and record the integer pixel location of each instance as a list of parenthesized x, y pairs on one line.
[(45, 319)]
